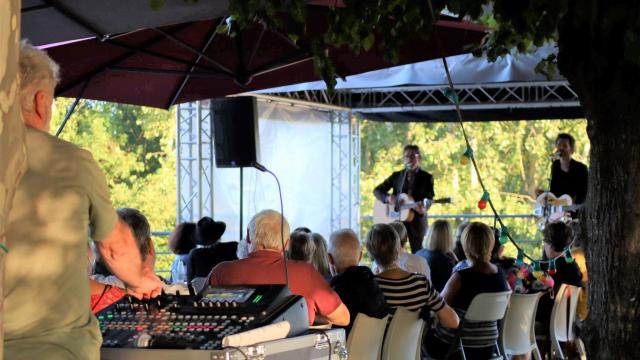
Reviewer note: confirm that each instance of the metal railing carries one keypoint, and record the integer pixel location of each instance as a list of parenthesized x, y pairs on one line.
[(162, 254)]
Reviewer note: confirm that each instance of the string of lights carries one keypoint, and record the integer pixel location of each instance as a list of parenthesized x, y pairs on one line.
[(468, 157)]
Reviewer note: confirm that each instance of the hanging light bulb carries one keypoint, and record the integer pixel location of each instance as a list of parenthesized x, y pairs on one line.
[(552, 267), (482, 204), (452, 95), (504, 235), (537, 272), (466, 157), (568, 256), (520, 258)]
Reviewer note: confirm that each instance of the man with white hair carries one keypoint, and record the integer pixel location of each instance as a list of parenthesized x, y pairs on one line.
[(63, 197), (355, 284), (265, 265)]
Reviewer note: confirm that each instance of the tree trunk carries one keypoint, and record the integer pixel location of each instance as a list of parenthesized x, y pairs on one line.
[(592, 57), (12, 152)]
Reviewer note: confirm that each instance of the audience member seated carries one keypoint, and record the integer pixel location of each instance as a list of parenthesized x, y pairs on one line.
[(579, 257), (139, 226), (320, 259), (301, 247), (265, 265), (403, 289), (209, 251), (101, 295), (243, 249), (438, 251), (557, 236), (481, 277), (458, 251), (355, 284), (303, 229), (407, 261), (182, 241)]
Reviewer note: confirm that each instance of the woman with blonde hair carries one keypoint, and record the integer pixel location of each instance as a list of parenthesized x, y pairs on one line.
[(438, 251), (320, 259), (480, 277)]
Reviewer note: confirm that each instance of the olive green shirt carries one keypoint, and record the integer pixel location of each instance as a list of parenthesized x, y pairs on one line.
[(62, 200)]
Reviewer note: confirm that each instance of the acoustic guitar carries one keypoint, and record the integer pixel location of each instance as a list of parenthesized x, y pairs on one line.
[(549, 208), (406, 210)]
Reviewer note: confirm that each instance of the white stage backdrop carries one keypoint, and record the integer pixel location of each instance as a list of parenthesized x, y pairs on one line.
[(295, 143)]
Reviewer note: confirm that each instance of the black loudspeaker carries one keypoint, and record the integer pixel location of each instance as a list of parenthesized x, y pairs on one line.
[(235, 131)]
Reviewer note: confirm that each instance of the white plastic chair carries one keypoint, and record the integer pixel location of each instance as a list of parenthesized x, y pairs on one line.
[(563, 316), (366, 337), (484, 307), (518, 328), (404, 336)]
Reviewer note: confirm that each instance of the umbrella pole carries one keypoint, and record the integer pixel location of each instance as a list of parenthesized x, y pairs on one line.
[(241, 202), (72, 108)]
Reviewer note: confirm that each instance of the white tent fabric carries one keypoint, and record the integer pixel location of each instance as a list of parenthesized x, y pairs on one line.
[(465, 69), (294, 144)]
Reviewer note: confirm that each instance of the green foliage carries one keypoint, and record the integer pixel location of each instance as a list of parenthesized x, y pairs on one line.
[(513, 158), (135, 147), (388, 25)]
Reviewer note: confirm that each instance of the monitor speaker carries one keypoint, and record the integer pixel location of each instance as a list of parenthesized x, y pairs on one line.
[(235, 131)]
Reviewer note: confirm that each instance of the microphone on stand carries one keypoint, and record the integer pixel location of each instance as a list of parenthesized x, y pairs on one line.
[(556, 155)]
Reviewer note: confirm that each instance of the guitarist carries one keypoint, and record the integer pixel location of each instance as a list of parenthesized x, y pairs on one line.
[(415, 182)]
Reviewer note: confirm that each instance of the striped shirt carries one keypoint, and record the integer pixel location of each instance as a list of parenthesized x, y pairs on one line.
[(413, 292)]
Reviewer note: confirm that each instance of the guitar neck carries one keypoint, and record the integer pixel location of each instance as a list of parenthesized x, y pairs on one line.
[(436, 201)]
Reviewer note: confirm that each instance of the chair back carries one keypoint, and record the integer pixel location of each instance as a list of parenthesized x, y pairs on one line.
[(488, 307), (366, 337), (518, 328), (404, 336), (563, 313), (199, 283)]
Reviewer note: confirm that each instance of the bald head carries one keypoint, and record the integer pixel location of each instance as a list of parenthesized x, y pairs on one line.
[(344, 250)]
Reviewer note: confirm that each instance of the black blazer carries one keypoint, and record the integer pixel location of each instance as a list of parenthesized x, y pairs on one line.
[(422, 186)]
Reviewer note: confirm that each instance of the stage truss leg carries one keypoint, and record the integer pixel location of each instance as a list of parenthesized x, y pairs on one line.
[(345, 171), (194, 166)]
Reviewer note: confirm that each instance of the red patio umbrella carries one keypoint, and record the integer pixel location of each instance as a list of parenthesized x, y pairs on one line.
[(160, 67)]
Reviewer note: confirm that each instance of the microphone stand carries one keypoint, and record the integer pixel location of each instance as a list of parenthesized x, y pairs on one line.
[(396, 207)]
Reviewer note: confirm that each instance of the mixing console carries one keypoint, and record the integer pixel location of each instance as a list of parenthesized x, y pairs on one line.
[(176, 321)]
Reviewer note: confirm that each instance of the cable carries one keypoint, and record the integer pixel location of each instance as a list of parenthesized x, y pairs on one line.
[(284, 256), (104, 291), (237, 349), (454, 99), (322, 332)]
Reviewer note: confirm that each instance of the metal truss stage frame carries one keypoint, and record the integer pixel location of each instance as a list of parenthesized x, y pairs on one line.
[(196, 167), (519, 98)]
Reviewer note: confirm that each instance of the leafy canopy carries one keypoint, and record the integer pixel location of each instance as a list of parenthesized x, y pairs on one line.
[(389, 25)]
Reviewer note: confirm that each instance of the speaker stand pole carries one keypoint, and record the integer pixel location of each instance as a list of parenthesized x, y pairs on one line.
[(241, 202)]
